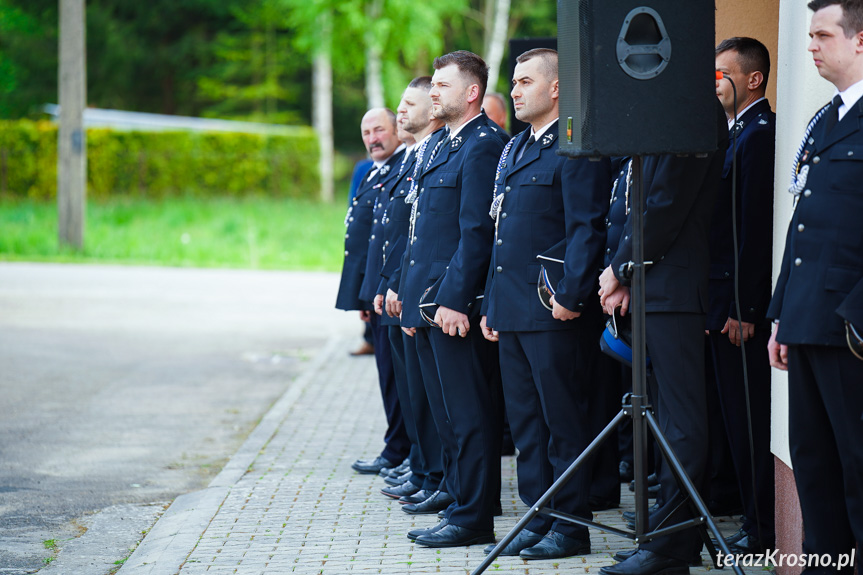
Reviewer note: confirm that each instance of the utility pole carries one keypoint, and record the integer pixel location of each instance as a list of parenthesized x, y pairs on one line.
[(72, 140)]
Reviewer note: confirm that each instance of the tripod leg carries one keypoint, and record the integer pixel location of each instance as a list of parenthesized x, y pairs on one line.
[(546, 497), (686, 484)]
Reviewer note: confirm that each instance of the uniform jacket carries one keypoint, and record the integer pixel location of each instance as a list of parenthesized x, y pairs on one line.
[(756, 136), (823, 260), (615, 221), (680, 192), (453, 232), (357, 232), (546, 198), (377, 240)]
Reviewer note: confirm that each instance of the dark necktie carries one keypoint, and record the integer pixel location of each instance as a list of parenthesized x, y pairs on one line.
[(833, 114), (530, 141)]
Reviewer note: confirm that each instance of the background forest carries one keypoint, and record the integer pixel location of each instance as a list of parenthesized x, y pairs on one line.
[(254, 59)]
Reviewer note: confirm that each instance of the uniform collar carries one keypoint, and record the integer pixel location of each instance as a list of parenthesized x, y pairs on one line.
[(538, 134), (454, 133), (849, 97), (743, 111)]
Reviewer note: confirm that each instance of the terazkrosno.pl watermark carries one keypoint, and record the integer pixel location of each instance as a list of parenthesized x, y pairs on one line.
[(772, 558)]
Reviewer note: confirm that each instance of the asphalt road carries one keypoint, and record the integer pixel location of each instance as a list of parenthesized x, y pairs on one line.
[(123, 387)]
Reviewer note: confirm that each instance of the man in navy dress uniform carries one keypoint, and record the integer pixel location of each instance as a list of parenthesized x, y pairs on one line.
[(451, 242), (822, 277), (680, 192), (548, 359), (746, 62), (378, 129), (426, 463)]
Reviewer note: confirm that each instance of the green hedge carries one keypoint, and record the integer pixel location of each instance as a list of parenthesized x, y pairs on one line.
[(159, 164)]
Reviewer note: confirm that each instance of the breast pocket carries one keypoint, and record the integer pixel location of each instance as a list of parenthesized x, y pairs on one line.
[(536, 193), (846, 166), (443, 193)]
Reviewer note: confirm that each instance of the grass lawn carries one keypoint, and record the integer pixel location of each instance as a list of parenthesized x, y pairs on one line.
[(250, 233)]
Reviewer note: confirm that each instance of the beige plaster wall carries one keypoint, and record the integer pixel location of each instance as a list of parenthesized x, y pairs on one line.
[(756, 19)]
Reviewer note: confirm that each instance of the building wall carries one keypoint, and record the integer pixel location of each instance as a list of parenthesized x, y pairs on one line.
[(754, 19)]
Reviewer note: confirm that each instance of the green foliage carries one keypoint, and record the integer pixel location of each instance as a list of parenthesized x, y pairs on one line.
[(253, 232), (158, 164)]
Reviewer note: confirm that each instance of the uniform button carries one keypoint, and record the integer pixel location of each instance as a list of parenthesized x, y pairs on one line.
[(380, 205), (422, 189), (368, 202), (801, 227), (346, 252), (373, 236), (503, 215), (418, 214), (798, 261), (350, 219), (533, 179), (816, 159), (387, 242), (412, 262), (414, 239), (807, 193), (356, 202), (499, 269), (507, 189), (500, 242), (726, 274), (850, 152), (607, 224), (375, 221), (441, 181), (347, 236), (613, 199), (625, 238), (608, 251)]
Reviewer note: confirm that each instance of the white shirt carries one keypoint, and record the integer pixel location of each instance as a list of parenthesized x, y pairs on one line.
[(378, 165), (849, 97), (454, 133), (543, 130)]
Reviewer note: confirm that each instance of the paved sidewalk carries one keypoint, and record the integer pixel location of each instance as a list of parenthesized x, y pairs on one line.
[(288, 502)]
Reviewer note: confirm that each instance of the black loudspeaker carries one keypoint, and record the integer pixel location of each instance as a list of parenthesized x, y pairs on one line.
[(636, 77), (517, 47)]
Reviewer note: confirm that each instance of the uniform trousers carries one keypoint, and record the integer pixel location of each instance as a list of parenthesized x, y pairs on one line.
[(397, 445), (547, 383), (825, 388), (758, 503), (675, 343), (464, 396)]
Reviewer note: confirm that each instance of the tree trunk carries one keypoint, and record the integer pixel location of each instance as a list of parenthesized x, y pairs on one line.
[(374, 66), (322, 108), (497, 42)]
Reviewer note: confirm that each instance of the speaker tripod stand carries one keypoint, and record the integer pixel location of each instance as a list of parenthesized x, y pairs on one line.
[(643, 422)]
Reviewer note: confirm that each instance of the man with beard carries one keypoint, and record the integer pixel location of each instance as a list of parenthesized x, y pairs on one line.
[(449, 249), (426, 464)]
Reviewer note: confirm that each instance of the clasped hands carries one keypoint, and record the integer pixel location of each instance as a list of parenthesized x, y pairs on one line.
[(611, 294)]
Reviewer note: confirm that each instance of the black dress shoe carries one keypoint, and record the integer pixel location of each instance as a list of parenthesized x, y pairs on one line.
[(398, 470), (523, 540), (556, 546), (405, 489), (399, 480), (731, 539), (747, 545), (644, 562), (625, 471), (624, 555), (417, 497), (630, 515), (652, 486), (438, 501), (371, 466), (455, 536), (413, 534)]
